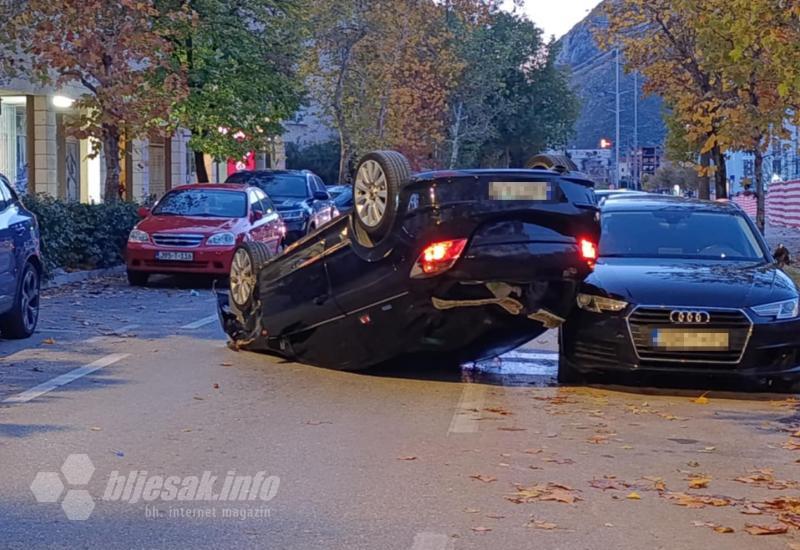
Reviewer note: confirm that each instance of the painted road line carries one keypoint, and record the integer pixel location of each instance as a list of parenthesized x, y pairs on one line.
[(521, 369), (65, 379), (468, 411), (431, 541), (200, 323)]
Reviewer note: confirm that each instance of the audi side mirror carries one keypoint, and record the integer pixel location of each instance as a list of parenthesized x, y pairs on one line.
[(143, 212), (782, 256), (321, 196)]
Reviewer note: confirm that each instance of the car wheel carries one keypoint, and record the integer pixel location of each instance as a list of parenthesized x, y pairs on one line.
[(247, 262), (21, 321), (376, 191), (559, 163), (138, 278)]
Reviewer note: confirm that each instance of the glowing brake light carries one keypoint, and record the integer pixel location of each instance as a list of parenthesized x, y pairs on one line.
[(437, 258), (588, 250)]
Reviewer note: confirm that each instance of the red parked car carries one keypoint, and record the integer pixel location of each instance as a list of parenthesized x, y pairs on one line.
[(196, 228)]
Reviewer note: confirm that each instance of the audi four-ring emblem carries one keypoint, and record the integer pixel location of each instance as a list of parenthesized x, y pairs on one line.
[(690, 317)]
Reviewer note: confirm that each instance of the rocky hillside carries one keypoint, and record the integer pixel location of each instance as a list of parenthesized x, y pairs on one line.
[(593, 76)]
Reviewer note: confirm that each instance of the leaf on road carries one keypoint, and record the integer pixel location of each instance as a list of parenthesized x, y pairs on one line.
[(498, 410), (634, 496), (751, 510), (699, 482), (598, 439), (791, 445), (503, 429), (215, 386), (702, 400), (723, 529), (481, 529), (48, 341), (559, 460), (540, 524), (226, 364), (696, 501), (605, 485), (406, 458), (790, 519), (96, 428), (472, 510), (494, 516), (485, 479), (533, 451), (549, 492), (773, 529)]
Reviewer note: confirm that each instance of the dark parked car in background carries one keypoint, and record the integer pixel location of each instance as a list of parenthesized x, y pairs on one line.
[(461, 264), (342, 196), (299, 195), (682, 287), (20, 266)]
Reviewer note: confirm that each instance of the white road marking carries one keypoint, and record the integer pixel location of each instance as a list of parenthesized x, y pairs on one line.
[(468, 411), (431, 541), (200, 323), (66, 378)]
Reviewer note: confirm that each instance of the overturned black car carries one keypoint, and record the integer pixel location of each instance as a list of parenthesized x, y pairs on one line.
[(464, 264)]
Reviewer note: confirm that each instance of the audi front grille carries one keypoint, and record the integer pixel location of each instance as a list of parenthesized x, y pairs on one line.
[(644, 320)]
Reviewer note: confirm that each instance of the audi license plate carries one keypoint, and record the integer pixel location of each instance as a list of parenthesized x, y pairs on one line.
[(691, 340), (167, 256), (520, 190)]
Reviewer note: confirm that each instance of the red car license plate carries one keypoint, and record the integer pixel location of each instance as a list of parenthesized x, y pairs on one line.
[(168, 256)]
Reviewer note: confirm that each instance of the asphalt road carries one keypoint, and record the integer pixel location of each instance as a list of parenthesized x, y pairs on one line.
[(406, 457)]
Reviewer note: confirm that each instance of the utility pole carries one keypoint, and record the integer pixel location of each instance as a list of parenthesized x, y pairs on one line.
[(617, 112), (637, 182)]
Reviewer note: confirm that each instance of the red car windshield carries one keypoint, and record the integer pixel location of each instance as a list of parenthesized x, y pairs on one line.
[(202, 203)]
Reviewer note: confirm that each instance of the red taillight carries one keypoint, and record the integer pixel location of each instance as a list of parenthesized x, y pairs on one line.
[(588, 250), (437, 258)]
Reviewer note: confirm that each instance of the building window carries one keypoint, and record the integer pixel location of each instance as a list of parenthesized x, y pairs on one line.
[(13, 140), (749, 168)]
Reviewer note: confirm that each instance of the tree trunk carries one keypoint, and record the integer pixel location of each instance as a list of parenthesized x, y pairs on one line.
[(111, 137), (344, 160), (704, 192), (455, 131), (758, 166), (721, 173), (200, 167)]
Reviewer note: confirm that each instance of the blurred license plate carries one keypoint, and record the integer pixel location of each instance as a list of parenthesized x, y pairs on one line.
[(694, 340), (520, 190), (175, 256)]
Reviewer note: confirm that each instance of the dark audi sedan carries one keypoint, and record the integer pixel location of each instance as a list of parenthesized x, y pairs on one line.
[(684, 287)]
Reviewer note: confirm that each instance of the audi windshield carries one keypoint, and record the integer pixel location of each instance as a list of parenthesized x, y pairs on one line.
[(679, 234)]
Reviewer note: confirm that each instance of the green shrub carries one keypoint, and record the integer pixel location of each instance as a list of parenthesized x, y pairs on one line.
[(82, 236)]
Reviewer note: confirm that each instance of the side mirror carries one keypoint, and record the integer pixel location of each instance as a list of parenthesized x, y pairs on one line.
[(143, 212), (782, 256), (321, 196), (255, 215)]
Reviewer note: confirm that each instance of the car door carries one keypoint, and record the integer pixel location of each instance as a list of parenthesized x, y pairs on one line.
[(256, 216), (273, 226), (8, 267)]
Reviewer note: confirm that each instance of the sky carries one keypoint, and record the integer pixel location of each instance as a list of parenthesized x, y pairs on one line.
[(557, 17)]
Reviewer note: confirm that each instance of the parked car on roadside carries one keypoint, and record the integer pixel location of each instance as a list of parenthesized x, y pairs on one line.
[(342, 196), (20, 266), (196, 228), (683, 287), (461, 264), (299, 195)]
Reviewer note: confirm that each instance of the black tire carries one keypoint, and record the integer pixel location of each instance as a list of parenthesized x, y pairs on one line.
[(559, 163), (138, 278), (376, 194), (248, 259), (21, 321)]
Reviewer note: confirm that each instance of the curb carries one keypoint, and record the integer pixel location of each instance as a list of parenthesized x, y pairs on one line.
[(80, 276)]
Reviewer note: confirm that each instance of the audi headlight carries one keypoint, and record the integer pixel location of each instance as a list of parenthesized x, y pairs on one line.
[(599, 304), (292, 214), (788, 309), (138, 236), (221, 239)]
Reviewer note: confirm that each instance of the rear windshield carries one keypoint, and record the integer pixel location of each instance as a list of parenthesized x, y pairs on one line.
[(278, 186), (679, 233), (202, 203)]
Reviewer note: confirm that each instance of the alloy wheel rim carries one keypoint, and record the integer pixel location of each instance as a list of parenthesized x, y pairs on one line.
[(243, 279), (30, 300), (371, 193)]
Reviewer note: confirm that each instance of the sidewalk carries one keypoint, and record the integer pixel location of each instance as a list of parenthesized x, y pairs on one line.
[(787, 236)]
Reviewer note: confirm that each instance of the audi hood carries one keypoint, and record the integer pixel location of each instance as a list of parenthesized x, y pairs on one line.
[(689, 283)]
